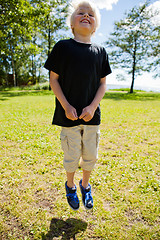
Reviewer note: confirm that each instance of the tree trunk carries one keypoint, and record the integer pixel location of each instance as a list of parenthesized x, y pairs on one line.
[(12, 60), (134, 66), (49, 47), (132, 84), (39, 75), (34, 74), (32, 69), (6, 76), (13, 72), (13, 67)]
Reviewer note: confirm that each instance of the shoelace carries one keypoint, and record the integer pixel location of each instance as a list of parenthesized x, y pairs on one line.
[(88, 196), (72, 195)]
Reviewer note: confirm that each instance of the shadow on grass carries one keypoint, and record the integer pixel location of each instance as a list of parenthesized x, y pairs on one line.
[(5, 95), (139, 96), (65, 229)]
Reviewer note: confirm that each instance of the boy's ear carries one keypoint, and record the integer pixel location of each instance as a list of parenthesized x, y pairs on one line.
[(94, 31), (72, 27)]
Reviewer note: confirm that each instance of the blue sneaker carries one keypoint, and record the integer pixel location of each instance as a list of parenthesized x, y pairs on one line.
[(72, 198), (86, 196)]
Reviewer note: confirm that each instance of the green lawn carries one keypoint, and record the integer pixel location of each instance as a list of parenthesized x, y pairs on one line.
[(125, 182)]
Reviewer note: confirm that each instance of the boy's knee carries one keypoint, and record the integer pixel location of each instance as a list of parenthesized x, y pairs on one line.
[(70, 165), (88, 165)]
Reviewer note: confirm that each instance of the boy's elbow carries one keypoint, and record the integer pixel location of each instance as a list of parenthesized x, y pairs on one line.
[(104, 85), (53, 77)]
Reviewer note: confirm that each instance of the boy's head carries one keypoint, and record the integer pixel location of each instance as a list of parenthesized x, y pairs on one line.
[(82, 8)]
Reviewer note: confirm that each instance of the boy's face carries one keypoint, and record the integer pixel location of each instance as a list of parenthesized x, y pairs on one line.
[(84, 21)]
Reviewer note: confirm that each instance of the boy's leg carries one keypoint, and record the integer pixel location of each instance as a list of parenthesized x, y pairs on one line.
[(90, 143), (86, 176), (70, 179), (90, 140), (71, 191), (86, 190), (71, 145), (87, 198)]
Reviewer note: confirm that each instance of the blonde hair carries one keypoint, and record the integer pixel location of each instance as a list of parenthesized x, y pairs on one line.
[(74, 5)]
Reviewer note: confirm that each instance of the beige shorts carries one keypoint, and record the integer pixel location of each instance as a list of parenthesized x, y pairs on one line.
[(80, 142)]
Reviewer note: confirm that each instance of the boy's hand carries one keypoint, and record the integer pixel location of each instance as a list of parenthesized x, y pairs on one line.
[(71, 113), (87, 113)]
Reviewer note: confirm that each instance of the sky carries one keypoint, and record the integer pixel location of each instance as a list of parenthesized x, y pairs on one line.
[(114, 10), (111, 11)]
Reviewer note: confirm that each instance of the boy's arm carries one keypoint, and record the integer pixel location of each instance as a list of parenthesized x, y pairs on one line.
[(88, 112), (70, 111)]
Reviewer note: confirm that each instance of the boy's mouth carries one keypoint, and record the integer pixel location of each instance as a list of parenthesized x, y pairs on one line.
[(85, 21)]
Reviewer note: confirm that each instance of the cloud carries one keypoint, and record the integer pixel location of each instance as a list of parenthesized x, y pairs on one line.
[(100, 34), (107, 4), (155, 10), (101, 4)]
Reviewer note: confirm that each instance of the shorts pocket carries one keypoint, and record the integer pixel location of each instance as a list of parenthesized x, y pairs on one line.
[(64, 142)]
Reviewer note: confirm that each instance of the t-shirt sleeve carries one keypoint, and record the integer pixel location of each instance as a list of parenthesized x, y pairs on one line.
[(105, 65), (53, 61)]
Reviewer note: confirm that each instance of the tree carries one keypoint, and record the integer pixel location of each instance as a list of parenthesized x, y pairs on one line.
[(52, 20), (130, 43), (15, 29), (155, 41), (156, 51), (28, 31)]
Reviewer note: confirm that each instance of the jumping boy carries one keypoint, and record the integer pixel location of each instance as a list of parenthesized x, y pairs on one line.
[(78, 80)]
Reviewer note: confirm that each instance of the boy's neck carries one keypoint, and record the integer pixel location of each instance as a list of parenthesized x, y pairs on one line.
[(82, 39)]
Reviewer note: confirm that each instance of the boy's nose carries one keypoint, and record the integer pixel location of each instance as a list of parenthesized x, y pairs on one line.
[(86, 15)]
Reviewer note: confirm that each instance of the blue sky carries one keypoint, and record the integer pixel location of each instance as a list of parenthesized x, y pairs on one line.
[(108, 17), (111, 11)]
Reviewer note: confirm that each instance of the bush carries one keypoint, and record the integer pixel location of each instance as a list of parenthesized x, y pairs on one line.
[(36, 87), (45, 86), (41, 86)]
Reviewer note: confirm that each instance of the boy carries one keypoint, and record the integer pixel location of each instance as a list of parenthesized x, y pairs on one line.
[(78, 80)]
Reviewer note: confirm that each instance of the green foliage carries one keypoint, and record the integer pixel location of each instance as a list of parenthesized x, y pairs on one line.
[(16, 28), (28, 32), (155, 53), (125, 181), (131, 43)]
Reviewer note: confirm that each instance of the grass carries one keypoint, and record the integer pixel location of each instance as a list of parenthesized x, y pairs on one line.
[(38, 86), (125, 182)]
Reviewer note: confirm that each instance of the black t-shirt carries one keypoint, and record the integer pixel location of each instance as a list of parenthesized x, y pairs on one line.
[(80, 67)]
